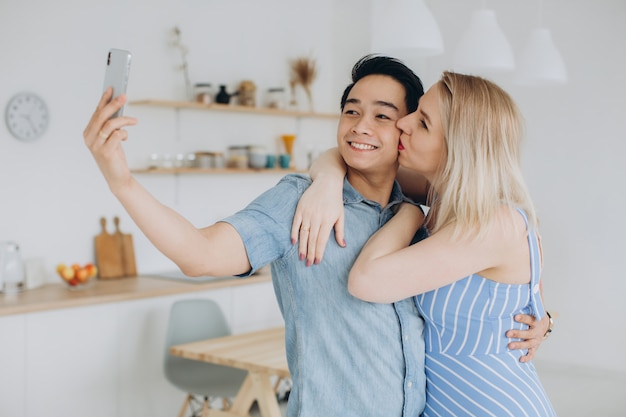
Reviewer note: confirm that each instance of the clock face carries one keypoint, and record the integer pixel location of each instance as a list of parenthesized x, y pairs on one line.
[(27, 116)]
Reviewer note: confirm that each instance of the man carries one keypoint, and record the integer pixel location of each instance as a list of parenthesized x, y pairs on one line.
[(346, 357)]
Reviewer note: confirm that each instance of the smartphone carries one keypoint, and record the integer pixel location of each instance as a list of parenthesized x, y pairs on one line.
[(116, 73)]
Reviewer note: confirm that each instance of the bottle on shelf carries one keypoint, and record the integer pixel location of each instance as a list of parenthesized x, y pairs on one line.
[(223, 96)]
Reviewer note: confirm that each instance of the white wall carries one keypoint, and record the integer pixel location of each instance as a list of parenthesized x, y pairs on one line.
[(575, 166), (52, 195)]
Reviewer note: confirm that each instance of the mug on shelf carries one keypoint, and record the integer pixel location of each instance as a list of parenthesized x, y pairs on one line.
[(271, 161), (284, 160)]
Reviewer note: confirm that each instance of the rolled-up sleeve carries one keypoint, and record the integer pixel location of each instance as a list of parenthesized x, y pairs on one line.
[(265, 224)]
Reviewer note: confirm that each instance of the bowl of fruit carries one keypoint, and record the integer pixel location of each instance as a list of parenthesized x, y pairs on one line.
[(77, 276)]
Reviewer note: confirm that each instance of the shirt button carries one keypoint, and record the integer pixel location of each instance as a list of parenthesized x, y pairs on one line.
[(536, 288), (406, 338), (409, 384)]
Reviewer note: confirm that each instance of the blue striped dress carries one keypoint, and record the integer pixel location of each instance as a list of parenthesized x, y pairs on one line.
[(469, 369)]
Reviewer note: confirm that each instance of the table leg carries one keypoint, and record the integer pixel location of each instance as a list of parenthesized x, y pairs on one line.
[(256, 386), (241, 404), (244, 399), (265, 394)]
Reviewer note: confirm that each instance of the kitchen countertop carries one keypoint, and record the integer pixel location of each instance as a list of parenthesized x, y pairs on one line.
[(57, 296)]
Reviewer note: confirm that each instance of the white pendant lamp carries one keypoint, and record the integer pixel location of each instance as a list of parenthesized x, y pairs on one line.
[(405, 26), (484, 48), (540, 62)]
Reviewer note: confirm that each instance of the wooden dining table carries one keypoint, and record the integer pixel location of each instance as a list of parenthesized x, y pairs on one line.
[(261, 353)]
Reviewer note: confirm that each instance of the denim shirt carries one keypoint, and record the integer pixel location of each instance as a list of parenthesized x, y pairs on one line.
[(347, 357)]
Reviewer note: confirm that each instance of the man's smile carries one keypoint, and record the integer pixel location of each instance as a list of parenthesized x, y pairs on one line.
[(362, 146)]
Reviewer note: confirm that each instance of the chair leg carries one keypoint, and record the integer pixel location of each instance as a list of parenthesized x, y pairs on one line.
[(205, 407), (277, 384), (185, 405), (225, 404)]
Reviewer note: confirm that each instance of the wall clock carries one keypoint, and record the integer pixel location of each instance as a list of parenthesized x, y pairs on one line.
[(27, 116)]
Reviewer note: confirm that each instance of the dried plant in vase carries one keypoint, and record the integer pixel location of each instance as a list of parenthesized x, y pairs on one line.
[(184, 67), (293, 103), (303, 73)]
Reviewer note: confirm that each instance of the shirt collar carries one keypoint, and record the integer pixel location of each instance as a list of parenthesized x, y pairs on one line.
[(351, 195)]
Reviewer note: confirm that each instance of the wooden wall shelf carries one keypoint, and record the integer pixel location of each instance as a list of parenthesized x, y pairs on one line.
[(232, 108), (201, 171)]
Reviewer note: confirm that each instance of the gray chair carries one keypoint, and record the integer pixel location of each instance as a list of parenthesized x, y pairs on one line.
[(190, 321)]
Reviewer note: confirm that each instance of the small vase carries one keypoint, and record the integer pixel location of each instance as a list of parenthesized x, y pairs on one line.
[(288, 142)]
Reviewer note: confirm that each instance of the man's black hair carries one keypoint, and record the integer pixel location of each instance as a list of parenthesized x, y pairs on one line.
[(391, 67)]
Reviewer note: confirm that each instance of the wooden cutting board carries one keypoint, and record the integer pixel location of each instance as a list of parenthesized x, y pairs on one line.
[(115, 253), (125, 241)]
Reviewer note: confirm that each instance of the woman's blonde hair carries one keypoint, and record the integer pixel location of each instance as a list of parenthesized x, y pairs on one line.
[(480, 170)]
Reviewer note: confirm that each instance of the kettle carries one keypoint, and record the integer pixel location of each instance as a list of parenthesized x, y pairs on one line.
[(223, 97), (11, 268)]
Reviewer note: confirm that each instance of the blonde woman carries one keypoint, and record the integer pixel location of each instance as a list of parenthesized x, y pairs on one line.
[(480, 266)]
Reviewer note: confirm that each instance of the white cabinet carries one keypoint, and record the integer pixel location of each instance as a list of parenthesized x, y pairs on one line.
[(70, 362), (106, 360), (13, 365)]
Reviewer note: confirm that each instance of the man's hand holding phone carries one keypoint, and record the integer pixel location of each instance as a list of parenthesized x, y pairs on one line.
[(105, 131), (104, 135)]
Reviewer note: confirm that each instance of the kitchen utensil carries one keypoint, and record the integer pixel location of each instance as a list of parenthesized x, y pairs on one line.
[(11, 268), (257, 157), (108, 254), (223, 96), (34, 273), (271, 161), (247, 93), (115, 254), (275, 98), (288, 142), (284, 160), (258, 160), (205, 159), (238, 157), (127, 249), (204, 93)]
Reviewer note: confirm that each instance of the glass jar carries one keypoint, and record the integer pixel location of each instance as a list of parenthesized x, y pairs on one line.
[(247, 93), (209, 160), (190, 160), (204, 160), (275, 98), (238, 157), (11, 268), (203, 93)]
